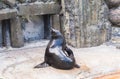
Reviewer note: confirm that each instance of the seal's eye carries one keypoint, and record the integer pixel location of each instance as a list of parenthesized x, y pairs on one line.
[(55, 33)]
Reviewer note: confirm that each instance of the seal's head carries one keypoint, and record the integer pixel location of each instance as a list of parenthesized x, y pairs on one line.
[(55, 33)]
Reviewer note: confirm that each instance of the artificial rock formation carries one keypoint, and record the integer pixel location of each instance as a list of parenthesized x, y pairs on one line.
[(17, 39), (22, 14), (114, 17), (112, 3), (0, 34), (7, 3), (38, 8), (7, 13), (114, 14), (86, 22)]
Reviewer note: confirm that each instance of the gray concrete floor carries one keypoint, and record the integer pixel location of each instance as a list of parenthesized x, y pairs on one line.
[(94, 61)]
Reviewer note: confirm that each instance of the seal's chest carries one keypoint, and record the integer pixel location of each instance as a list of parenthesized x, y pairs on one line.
[(54, 50), (57, 42), (57, 51)]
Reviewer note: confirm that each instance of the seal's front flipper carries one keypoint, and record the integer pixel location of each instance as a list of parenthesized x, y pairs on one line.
[(42, 65), (77, 66)]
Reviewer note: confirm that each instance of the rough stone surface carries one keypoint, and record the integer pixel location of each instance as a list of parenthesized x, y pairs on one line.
[(12, 1), (21, 1), (38, 8), (17, 39), (9, 3), (86, 22), (115, 31), (30, 1), (7, 13), (56, 21), (116, 36), (113, 3), (95, 61), (0, 34), (114, 16), (2, 5), (33, 28)]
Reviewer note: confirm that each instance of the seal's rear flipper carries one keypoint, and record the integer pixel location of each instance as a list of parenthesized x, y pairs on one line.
[(42, 65), (77, 66)]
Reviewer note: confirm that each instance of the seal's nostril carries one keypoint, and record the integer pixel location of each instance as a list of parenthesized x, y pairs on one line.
[(51, 29)]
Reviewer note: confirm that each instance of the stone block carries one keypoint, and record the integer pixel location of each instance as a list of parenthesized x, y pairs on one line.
[(0, 34), (17, 39), (9, 3), (114, 16), (38, 8), (113, 3), (56, 22), (86, 22), (115, 35), (7, 13), (33, 29)]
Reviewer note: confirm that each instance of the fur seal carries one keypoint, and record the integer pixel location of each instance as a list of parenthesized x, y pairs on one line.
[(57, 54)]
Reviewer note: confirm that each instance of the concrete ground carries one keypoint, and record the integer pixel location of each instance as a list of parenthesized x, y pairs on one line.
[(95, 62)]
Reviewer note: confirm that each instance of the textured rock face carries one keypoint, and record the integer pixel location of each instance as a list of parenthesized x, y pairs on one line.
[(16, 33), (3, 6), (30, 1), (0, 34), (116, 36), (113, 3), (33, 29), (33, 11), (115, 16), (8, 3), (86, 22), (7, 13), (38, 8)]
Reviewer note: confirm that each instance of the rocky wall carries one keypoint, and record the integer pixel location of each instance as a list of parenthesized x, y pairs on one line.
[(27, 19), (0, 34), (33, 28), (86, 22), (114, 14), (114, 18)]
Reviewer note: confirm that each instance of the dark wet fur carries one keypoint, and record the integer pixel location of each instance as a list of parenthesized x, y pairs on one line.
[(57, 54), (42, 65)]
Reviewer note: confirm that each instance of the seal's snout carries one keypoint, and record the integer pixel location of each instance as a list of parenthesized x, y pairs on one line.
[(51, 29)]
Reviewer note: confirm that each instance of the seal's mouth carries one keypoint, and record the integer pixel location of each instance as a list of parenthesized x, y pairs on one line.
[(55, 33), (51, 29)]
